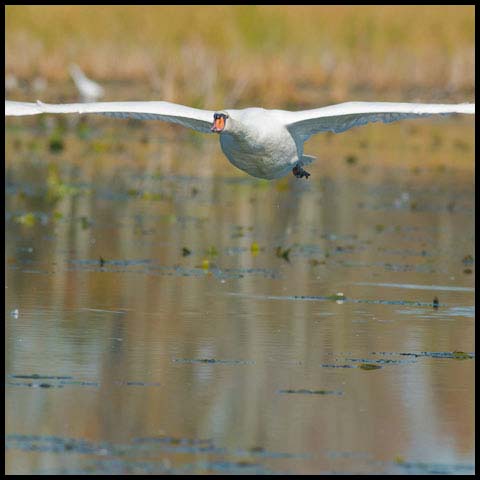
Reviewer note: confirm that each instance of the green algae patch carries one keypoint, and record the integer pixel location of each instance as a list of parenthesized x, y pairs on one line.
[(369, 366), (27, 219), (462, 355)]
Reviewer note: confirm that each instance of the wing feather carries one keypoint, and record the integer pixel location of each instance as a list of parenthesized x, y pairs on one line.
[(342, 117), (197, 119)]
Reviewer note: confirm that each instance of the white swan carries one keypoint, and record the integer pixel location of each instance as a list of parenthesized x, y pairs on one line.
[(264, 143), (11, 82), (90, 91)]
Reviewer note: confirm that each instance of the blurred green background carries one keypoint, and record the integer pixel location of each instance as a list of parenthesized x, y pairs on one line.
[(274, 56)]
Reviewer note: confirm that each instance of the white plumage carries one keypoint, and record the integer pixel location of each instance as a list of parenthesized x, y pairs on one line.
[(89, 90), (264, 143)]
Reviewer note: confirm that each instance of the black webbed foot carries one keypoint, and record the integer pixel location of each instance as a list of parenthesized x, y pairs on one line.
[(299, 172)]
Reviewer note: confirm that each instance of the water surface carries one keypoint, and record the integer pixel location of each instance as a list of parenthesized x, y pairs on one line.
[(166, 313)]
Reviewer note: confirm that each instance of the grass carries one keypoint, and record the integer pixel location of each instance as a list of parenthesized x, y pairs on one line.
[(285, 56)]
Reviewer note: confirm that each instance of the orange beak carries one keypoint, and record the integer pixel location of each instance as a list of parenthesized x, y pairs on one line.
[(218, 125)]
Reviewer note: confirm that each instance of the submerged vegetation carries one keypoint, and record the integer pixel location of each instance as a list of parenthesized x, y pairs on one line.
[(284, 56)]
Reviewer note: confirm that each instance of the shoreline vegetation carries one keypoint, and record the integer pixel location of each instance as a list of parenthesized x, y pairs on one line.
[(274, 56)]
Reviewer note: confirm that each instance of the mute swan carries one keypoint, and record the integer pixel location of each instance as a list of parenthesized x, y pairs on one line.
[(11, 82), (90, 91), (264, 143)]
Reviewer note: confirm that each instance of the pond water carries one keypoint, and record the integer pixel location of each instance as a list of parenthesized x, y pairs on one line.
[(166, 313)]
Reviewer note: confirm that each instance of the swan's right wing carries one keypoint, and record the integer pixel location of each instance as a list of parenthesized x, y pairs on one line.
[(342, 117), (200, 120)]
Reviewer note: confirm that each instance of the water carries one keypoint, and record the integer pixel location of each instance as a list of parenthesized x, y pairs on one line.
[(166, 313)]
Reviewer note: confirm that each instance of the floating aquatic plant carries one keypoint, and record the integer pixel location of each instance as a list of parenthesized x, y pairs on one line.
[(305, 391), (254, 248), (211, 251), (369, 366), (283, 253), (27, 219)]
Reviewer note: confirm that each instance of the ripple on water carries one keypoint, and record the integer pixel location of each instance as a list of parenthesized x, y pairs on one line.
[(459, 311), (417, 287)]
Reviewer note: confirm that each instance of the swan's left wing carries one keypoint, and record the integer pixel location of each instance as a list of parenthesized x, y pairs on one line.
[(342, 117), (200, 120)]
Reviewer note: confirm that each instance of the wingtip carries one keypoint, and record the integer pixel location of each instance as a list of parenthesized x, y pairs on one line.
[(468, 108)]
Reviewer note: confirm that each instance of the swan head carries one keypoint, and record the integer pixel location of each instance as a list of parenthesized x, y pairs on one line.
[(219, 122)]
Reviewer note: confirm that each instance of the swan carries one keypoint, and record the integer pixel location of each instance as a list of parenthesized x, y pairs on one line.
[(264, 143), (89, 90), (11, 82)]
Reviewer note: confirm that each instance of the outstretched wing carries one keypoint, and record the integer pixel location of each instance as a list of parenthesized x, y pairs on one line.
[(342, 117), (200, 120)]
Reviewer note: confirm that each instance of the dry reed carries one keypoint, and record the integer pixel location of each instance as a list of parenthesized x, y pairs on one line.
[(284, 56)]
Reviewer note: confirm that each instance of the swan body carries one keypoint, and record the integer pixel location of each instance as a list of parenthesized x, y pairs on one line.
[(264, 143), (268, 152)]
